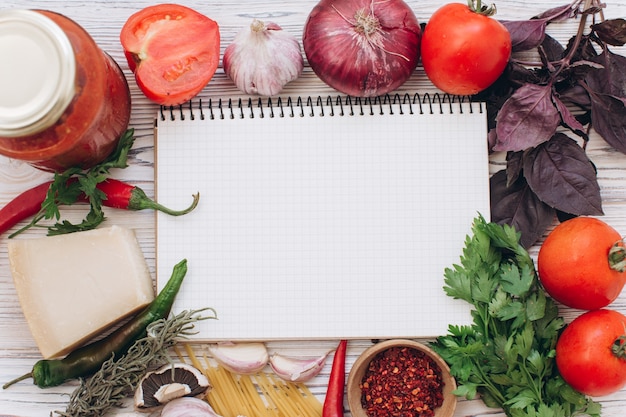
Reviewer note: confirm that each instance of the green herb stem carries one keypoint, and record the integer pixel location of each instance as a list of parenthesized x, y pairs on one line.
[(486, 382)]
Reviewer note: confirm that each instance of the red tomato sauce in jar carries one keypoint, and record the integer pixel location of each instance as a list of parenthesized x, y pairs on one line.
[(94, 114)]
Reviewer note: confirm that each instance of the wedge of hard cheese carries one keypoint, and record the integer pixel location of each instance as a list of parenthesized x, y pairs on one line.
[(72, 287)]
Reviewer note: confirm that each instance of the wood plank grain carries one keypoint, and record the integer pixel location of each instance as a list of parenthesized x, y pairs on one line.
[(103, 20)]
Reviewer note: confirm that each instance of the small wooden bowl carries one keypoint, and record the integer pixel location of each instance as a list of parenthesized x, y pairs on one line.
[(361, 364)]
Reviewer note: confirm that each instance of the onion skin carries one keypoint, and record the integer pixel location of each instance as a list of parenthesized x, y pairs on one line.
[(345, 58)]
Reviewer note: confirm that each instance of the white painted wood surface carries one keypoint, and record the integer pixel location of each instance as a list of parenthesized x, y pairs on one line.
[(103, 19)]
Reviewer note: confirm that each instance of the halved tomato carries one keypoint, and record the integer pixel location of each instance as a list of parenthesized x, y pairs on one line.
[(173, 51)]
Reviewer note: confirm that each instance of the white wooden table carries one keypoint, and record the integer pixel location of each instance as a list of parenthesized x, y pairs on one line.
[(103, 19)]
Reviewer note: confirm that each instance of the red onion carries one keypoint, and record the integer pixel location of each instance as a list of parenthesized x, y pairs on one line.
[(362, 48)]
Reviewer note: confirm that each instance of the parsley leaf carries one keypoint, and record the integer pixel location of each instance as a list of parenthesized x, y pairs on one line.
[(74, 184), (515, 281), (507, 354)]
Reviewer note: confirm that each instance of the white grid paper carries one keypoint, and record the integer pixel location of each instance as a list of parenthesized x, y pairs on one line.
[(321, 227)]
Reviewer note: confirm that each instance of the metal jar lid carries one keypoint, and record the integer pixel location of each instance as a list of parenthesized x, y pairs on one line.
[(37, 72)]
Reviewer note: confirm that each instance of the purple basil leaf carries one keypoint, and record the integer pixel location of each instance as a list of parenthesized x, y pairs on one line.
[(611, 79), (608, 95), (569, 120), (562, 176), (526, 119), (525, 34), (518, 75), (594, 9), (578, 70), (608, 115), (558, 13), (519, 207), (576, 94), (514, 162), (584, 49), (612, 31), (552, 48)]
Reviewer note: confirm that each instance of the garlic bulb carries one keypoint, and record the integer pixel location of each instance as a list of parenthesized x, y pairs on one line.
[(263, 58)]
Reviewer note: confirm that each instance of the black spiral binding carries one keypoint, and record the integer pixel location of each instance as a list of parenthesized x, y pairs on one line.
[(320, 106)]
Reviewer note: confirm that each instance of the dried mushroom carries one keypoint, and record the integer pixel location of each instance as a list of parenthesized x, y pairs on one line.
[(167, 383)]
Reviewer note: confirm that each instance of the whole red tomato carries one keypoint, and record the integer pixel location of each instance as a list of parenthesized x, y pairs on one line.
[(591, 352), (463, 49), (581, 263), (173, 51)]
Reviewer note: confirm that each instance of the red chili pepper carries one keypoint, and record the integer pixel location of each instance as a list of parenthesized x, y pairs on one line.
[(130, 197), (118, 195), (333, 403), (23, 206)]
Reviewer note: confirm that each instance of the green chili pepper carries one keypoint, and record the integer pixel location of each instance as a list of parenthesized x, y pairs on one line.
[(88, 359)]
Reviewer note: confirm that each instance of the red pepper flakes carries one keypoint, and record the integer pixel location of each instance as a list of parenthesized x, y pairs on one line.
[(402, 382)]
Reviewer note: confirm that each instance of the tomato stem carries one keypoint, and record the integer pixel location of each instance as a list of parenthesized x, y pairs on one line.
[(617, 256), (619, 347), (477, 7)]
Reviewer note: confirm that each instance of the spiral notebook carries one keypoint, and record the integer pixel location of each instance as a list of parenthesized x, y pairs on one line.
[(320, 217)]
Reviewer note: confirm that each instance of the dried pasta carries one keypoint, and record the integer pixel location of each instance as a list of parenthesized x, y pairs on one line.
[(259, 395)]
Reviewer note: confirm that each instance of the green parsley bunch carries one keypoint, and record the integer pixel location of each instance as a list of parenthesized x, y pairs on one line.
[(507, 355), (67, 187)]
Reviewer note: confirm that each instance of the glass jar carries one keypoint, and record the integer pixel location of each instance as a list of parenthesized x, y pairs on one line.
[(63, 101)]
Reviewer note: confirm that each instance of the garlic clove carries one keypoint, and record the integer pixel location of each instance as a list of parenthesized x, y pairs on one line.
[(188, 407), (263, 58), (240, 358), (297, 369)]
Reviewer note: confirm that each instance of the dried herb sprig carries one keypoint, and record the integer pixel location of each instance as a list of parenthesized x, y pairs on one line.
[(117, 378)]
